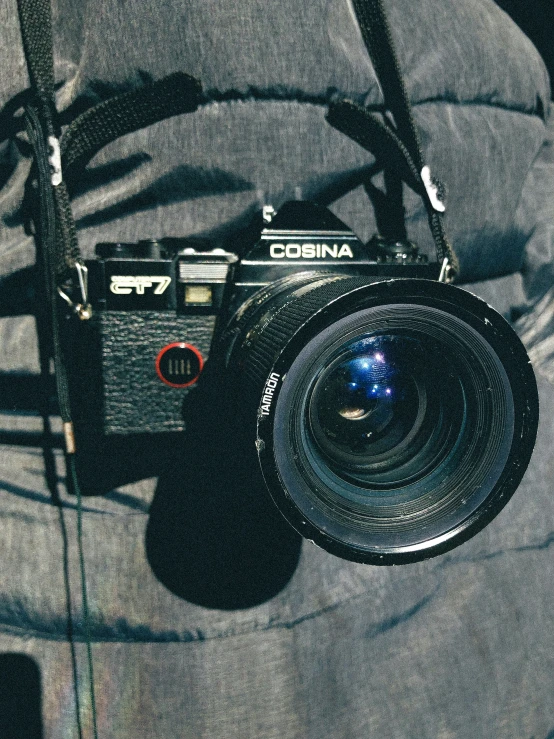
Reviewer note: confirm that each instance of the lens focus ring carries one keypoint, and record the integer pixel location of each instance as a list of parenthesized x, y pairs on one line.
[(279, 323)]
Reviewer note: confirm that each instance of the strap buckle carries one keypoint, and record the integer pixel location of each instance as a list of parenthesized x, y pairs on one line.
[(446, 271), (432, 190), (55, 161), (83, 309)]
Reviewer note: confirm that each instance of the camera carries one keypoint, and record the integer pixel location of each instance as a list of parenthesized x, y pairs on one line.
[(393, 415)]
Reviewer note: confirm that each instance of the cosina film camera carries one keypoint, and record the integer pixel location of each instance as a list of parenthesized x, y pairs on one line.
[(393, 415), (156, 303)]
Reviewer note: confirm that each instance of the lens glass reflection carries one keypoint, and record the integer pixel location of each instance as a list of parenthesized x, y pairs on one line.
[(383, 410)]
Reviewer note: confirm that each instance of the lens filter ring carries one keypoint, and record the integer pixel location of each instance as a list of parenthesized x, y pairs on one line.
[(401, 422)]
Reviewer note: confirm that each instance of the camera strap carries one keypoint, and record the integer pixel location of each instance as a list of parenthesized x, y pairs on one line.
[(396, 147), (90, 131), (56, 159)]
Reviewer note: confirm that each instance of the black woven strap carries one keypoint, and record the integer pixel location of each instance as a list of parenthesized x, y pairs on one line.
[(92, 130), (378, 40), (396, 147), (88, 133), (368, 131), (49, 201), (35, 20), (36, 30)]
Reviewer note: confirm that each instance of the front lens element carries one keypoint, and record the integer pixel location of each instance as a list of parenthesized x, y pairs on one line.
[(381, 412)]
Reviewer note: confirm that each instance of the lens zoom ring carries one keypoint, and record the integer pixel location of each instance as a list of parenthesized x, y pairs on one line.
[(271, 338)]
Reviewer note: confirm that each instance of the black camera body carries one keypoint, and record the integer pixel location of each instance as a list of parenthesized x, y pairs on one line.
[(154, 310), (157, 306), (392, 415)]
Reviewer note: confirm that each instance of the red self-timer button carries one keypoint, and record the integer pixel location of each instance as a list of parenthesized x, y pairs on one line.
[(179, 364)]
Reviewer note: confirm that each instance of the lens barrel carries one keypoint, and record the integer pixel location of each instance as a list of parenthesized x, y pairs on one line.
[(394, 420)]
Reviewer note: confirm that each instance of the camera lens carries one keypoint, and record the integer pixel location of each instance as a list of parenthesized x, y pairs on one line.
[(394, 419)]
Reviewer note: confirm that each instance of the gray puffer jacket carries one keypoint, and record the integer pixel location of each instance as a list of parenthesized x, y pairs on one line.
[(209, 618)]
